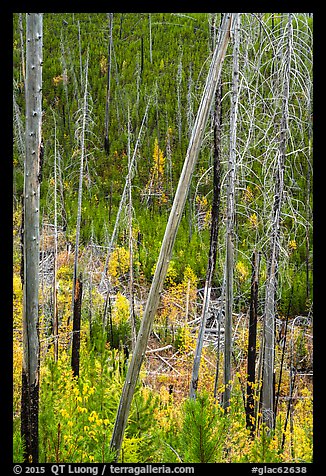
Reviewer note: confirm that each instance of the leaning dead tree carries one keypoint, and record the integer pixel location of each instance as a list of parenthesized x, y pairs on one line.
[(169, 236), (271, 282), (31, 355)]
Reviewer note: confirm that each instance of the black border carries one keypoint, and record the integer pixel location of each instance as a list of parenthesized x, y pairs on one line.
[(6, 208)]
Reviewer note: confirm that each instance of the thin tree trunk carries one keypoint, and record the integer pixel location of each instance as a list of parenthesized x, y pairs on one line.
[(75, 354), (179, 86), (169, 238), (290, 404), (22, 47), (150, 38), (131, 261), (31, 353), (90, 291), (55, 264), (271, 284), (80, 190), (65, 87), (308, 217), (22, 266), (283, 352), (80, 57), (251, 362), (123, 196), (230, 217), (108, 89), (141, 57), (213, 237)]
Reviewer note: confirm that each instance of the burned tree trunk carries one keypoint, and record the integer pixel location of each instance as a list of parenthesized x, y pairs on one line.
[(213, 237), (251, 363), (30, 369), (76, 327)]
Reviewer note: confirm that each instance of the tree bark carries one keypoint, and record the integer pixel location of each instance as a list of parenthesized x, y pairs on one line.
[(30, 368), (169, 238)]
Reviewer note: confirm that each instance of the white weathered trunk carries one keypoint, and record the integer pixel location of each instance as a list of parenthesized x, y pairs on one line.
[(150, 38), (80, 188), (131, 251), (33, 96), (32, 193), (271, 282), (230, 215), (55, 264), (108, 89), (169, 238)]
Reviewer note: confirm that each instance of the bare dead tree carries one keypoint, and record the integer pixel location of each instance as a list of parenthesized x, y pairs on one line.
[(83, 123), (179, 85), (230, 215), (108, 87), (150, 38), (55, 264), (271, 283), (31, 355), (124, 194), (131, 252)]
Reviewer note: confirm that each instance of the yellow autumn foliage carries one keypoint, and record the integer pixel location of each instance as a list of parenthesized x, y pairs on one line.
[(119, 262), (120, 312), (242, 270)]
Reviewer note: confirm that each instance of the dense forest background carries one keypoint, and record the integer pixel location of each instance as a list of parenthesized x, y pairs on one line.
[(122, 91)]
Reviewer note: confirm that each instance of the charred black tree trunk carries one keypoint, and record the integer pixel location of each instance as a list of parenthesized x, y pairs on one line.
[(250, 404), (29, 419), (217, 121), (76, 327)]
